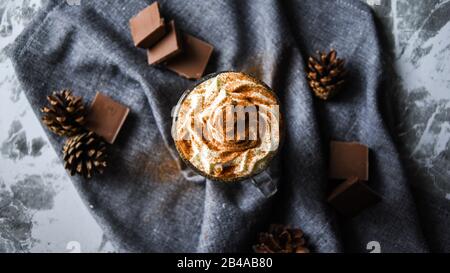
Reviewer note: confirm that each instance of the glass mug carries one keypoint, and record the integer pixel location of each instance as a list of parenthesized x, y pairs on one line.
[(234, 122)]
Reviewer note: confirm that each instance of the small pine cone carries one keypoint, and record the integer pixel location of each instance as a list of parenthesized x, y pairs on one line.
[(65, 115), (281, 239), (85, 154), (326, 74)]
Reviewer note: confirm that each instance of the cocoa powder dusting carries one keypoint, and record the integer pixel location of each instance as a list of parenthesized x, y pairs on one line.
[(158, 165)]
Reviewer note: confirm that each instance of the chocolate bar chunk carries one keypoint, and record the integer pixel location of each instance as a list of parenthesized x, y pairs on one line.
[(106, 117), (147, 27), (191, 63), (167, 47), (348, 159), (352, 197)]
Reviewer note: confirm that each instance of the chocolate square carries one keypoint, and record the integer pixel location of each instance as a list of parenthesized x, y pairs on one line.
[(147, 27), (191, 63), (348, 159), (106, 117), (167, 47), (352, 196)]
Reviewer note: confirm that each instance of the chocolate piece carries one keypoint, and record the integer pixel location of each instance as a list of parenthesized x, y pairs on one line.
[(348, 159), (106, 117), (167, 47), (147, 27), (352, 197), (191, 63)]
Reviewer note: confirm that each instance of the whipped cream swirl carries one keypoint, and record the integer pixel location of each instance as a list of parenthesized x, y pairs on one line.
[(228, 126)]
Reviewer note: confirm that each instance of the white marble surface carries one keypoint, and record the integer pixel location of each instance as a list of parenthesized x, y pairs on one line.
[(40, 210), (420, 41)]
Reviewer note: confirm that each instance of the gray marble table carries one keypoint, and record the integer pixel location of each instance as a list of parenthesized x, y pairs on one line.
[(40, 210)]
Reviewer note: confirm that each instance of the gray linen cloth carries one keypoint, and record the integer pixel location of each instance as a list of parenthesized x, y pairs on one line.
[(144, 203)]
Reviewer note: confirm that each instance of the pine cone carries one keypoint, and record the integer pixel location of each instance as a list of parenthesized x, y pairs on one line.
[(281, 239), (326, 74), (85, 154), (65, 116)]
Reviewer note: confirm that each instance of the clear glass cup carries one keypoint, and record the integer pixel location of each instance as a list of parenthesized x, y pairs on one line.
[(260, 177)]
